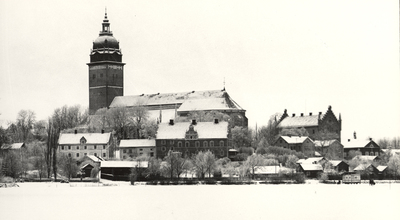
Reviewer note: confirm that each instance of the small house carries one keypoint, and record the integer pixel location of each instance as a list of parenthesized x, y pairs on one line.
[(311, 170)]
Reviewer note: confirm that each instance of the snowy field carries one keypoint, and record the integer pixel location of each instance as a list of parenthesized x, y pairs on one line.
[(306, 201)]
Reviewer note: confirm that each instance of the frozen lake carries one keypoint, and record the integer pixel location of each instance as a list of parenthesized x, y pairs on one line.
[(306, 201)]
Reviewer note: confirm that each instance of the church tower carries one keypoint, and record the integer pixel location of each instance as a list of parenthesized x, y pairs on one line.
[(106, 70)]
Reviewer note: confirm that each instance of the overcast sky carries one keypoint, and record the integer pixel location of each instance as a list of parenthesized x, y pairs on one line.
[(297, 55)]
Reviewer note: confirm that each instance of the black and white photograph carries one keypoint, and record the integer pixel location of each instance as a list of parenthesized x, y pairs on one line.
[(199, 109)]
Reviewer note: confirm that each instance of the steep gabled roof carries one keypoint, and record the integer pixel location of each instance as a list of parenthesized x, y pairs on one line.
[(138, 143), (205, 130), (91, 138), (295, 139)]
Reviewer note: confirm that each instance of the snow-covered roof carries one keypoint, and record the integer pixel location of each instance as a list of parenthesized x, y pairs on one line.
[(366, 157), (91, 138), (138, 143), (295, 139), (159, 99), (381, 168), (299, 121), (357, 143), (123, 164), (311, 167), (14, 146), (205, 130), (362, 167), (204, 104)]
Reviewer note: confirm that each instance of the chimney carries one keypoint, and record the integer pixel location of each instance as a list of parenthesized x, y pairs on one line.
[(102, 131), (310, 113), (348, 140), (171, 121), (76, 131), (370, 139), (194, 122), (293, 115), (320, 113), (216, 121), (355, 135), (301, 114)]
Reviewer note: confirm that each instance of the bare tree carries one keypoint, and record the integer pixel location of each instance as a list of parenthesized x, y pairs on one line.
[(25, 123), (253, 161), (394, 165)]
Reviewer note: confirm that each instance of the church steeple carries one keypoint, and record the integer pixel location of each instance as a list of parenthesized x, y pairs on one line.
[(106, 26)]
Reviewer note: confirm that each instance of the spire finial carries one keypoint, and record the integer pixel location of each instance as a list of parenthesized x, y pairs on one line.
[(105, 16), (224, 85)]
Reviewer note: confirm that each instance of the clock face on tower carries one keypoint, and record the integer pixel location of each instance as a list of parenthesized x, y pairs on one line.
[(106, 70)]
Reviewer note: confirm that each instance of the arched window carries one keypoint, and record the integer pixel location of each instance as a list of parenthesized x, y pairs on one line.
[(211, 143), (180, 144), (187, 144), (197, 143), (222, 152), (163, 148), (221, 143), (205, 144)]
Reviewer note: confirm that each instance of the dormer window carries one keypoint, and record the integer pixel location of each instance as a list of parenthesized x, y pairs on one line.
[(83, 140)]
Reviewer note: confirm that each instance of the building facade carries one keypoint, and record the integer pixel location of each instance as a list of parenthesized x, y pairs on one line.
[(190, 138), (106, 70), (319, 127), (137, 147), (79, 145), (299, 144), (366, 147)]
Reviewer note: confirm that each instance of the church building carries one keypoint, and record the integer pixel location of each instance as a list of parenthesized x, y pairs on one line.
[(106, 88)]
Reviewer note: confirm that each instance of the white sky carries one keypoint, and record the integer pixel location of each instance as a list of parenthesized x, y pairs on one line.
[(274, 55)]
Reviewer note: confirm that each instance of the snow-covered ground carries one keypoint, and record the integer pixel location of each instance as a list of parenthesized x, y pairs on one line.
[(123, 201)]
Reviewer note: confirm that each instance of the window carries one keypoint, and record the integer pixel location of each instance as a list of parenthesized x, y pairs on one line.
[(95, 154), (104, 154), (77, 147), (69, 154), (222, 152), (197, 143), (124, 151), (205, 144), (187, 144), (69, 147), (221, 143), (313, 131), (104, 147), (171, 142), (141, 149), (152, 154), (94, 76), (77, 154), (95, 147), (163, 141), (163, 148), (84, 154), (62, 147), (211, 143), (151, 149), (85, 147), (179, 144), (130, 150)]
